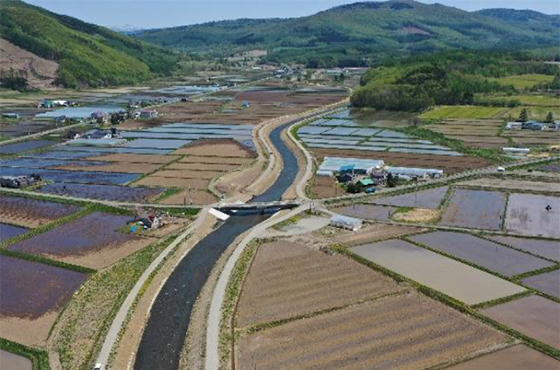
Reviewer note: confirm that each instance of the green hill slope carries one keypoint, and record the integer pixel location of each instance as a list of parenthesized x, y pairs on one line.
[(346, 34), (87, 54)]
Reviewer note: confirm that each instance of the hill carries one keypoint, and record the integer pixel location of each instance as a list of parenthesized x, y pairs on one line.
[(344, 35), (87, 54)]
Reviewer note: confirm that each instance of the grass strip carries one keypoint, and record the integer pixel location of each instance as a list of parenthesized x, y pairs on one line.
[(39, 359)]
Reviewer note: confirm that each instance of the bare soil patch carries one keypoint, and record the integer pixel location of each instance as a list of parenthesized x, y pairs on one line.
[(216, 148), (202, 167), (196, 196), (417, 215), (32, 213), (534, 316), (517, 357), (29, 332), (187, 174), (288, 279), (398, 333), (370, 234), (167, 182), (134, 158)]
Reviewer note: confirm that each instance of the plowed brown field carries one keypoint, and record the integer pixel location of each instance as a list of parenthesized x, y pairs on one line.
[(398, 333), (288, 279)]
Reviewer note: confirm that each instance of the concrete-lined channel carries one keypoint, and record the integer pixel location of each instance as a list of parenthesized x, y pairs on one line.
[(165, 332)]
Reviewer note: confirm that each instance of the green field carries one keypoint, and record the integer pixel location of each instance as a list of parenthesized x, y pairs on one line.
[(537, 113), (523, 81), (464, 111)]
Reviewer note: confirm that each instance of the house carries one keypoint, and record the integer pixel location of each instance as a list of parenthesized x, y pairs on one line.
[(378, 177), (100, 117), (513, 126), (345, 178), (148, 113), (246, 104)]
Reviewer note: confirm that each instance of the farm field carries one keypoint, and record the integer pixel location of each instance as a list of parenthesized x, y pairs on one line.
[(547, 283), (554, 167), (518, 357), (9, 231), (11, 361), (80, 242), (31, 213), (464, 111), (477, 209), (403, 332), (545, 248), (32, 294), (443, 274), (25, 146), (534, 316), (527, 215), (289, 280), (491, 256), (513, 184), (481, 133), (369, 233), (523, 81), (103, 192), (535, 138), (366, 211), (430, 198)]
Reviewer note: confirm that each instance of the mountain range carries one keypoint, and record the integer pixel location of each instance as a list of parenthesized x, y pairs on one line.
[(357, 33)]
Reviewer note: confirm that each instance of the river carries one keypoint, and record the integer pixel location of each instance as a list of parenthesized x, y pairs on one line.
[(164, 335)]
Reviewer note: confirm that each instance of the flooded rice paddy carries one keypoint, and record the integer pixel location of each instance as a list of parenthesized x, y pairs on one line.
[(103, 192), (453, 278), (87, 234), (545, 248), (489, 255), (527, 214), (476, 209), (32, 212), (430, 198), (548, 283), (25, 146), (367, 211), (9, 231), (31, 289)]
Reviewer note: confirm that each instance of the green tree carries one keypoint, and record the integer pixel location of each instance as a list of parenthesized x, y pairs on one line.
[(550, 117), (524, 115)]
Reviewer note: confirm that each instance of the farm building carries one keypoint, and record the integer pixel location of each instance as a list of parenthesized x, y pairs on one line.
[(331, 165), (147, 113), (414, 172), (345, 222)]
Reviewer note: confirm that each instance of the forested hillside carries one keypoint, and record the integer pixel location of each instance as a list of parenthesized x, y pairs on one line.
[(357, 34), (451, 78), (87, 54)]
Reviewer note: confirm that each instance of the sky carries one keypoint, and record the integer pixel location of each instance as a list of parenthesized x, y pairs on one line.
[(146, 14)]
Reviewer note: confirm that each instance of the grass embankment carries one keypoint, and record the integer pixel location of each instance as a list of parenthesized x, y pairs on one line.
[(81, 327)]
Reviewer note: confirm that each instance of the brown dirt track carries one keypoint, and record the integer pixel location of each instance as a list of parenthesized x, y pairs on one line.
[(404, 332), (371, 233), (288, 279), (450, 165)]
